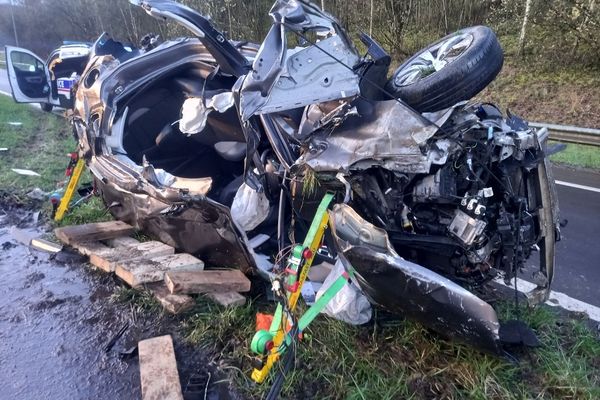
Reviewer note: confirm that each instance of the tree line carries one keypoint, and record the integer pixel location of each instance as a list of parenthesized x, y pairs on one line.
[(534, 29)]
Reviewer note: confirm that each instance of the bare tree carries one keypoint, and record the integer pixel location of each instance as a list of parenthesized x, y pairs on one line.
[(524, 27)]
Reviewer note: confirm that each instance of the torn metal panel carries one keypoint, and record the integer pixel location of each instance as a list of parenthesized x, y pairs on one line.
[(191, 223), (283, 79), (229, 58), (198, 226), (382, 134), (410, 289)]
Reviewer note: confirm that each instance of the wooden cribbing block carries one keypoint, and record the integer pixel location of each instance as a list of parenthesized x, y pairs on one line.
[(158, 369), (122, 241), (173, 303), (139, 271), (87, 248), (94, 231), (227, 299), (190, 282), (107, 260)]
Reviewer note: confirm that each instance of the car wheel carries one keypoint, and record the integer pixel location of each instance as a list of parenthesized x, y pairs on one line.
[(46, 107), (453, 69)]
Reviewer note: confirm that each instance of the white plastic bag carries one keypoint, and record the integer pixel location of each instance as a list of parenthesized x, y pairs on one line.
[(249, 208), (349, 305)]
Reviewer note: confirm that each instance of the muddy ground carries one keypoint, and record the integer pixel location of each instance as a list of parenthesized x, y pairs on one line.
[(57, 317)]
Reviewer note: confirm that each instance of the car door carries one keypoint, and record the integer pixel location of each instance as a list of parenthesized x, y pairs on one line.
[(27, 75)]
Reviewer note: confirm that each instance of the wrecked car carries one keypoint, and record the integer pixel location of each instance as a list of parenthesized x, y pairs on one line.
[(223, 149)]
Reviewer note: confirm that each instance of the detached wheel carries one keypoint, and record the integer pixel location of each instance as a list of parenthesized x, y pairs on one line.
[(453, 69), (46, 107)]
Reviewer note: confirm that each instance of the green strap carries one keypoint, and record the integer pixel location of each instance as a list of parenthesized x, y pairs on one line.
[(320, 304)]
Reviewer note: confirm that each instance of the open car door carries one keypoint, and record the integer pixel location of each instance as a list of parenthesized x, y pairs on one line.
[(28, 76)]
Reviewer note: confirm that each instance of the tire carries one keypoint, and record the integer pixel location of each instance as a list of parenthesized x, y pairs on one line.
[(459, 80), (46, 107)]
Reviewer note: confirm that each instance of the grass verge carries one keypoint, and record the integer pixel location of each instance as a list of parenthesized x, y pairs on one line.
[(40, 142), (401, 359), (578, 155)]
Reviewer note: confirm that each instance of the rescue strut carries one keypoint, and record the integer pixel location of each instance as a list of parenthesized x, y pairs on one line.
[(270, 345)]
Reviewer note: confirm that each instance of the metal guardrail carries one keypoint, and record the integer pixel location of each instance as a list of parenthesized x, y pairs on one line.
[(571, 134)]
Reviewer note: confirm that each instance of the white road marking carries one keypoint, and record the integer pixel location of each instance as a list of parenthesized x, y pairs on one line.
[(578, 186), (5, 93), (558, 299)]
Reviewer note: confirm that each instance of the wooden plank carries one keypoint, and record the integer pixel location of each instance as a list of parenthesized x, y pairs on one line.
[(140, 271), (87, 248), (123, 241), (108, 260), (158, 369), (173, 303), (227, 299), (190, 282), (93, 231)]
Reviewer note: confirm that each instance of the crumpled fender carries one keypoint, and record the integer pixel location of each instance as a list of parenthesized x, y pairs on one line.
[(409, 289)]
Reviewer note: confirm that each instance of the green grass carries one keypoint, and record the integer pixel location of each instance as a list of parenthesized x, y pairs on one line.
[(142, 300), (40, 144), (578, 155), (401, 359), (92, 210)]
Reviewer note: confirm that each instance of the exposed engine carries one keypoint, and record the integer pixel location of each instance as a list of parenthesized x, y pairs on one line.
[(470, 216)]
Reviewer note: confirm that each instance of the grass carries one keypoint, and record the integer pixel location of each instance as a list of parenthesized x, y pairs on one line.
[(542, 90), (142, 300), (401, 359), (578, 155), (41, 143)]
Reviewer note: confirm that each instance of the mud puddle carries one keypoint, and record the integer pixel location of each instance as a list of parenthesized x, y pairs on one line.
[(56, 319)]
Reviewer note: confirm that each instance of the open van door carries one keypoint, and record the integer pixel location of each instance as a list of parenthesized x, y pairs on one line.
[(28, 76)]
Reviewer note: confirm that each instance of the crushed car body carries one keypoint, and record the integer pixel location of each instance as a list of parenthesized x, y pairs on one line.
[(223, 149)]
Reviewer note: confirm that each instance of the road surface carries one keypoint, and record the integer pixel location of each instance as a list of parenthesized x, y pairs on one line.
[(578, 253)]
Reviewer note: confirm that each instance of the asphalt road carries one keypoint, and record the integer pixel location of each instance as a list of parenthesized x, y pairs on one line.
[(578, 253)]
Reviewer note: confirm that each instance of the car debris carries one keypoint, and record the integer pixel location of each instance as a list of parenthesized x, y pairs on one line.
[(110, 344), (45, 245), (210, 144), (37, 194), (25, 172)]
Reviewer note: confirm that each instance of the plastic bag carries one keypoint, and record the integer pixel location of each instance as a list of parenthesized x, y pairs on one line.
[(249, 208), (349, 304)]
